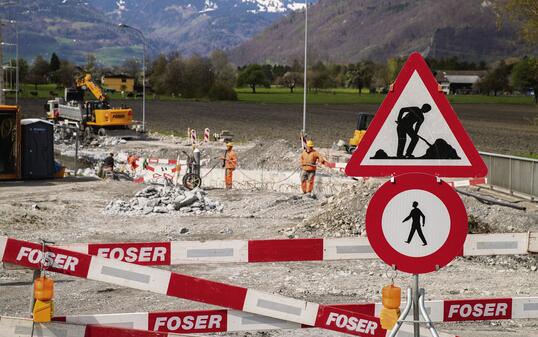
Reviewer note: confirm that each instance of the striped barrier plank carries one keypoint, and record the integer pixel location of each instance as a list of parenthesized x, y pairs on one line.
[(204, 321), (23, 327), (285, 250), (209, 321), (58, 260)]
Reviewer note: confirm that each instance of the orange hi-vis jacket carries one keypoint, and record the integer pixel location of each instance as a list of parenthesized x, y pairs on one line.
[(310, 160), (230, 160)]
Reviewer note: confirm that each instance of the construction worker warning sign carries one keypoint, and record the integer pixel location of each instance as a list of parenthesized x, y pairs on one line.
[(416, 223), (416, 130)]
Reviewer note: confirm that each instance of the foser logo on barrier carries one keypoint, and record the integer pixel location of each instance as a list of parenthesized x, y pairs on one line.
[(347, 322), (477, 310), (189, 322), (53, 259), (154, 254)]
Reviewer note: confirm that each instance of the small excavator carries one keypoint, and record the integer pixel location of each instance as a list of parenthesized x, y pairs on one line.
[(93, 117), (363, 122)]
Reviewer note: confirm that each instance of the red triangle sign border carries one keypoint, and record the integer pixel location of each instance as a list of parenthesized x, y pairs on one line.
[(416, 62)]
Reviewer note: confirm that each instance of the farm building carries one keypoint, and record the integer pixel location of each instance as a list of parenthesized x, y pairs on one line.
[(459, 82), (118, 82)]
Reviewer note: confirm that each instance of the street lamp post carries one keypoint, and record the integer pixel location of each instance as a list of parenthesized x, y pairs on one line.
[(122, 25), (305, 85), (16, 45)]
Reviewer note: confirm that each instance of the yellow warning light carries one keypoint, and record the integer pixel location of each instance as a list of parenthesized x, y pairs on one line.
[(391, 297)]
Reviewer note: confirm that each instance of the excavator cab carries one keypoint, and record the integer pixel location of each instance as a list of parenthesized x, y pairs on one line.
[(363, 122)]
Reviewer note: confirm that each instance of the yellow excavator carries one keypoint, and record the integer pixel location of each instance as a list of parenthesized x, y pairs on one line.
[(92, 117), (363, 122)]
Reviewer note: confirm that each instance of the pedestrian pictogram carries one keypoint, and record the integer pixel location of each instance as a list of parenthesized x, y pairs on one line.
[(416, 130), (416, 223)]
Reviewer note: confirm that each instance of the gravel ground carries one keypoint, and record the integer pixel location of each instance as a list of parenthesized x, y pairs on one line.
[(71, 211)]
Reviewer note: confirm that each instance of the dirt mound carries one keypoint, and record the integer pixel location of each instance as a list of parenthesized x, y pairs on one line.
[(272, 155), (342, 214)]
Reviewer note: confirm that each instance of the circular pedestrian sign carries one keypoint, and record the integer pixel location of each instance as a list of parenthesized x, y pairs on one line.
[(416, 223)]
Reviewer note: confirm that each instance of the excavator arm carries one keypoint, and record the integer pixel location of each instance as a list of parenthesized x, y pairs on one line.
[(86, 81)]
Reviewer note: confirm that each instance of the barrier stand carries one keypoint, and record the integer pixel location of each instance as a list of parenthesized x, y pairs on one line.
[(415, 299)]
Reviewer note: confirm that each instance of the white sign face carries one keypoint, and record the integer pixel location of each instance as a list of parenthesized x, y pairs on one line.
[(416, 223), (415, 133)]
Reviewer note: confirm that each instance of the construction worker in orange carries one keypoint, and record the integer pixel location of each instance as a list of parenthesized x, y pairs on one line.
[(230, 164), (309, 163)]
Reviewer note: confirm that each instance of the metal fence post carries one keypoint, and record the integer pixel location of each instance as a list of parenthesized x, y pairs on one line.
[(491, 171), (532, 181), (510, 175)]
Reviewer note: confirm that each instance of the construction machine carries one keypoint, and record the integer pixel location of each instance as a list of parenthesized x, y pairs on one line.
[(91, 117), (363, 122)]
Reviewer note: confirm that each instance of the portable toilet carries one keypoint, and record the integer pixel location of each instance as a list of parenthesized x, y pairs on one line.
[(37, 149)]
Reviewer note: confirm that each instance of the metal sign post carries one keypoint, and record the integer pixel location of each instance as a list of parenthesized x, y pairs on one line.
[(416, 223), (416, 324), (415, 299)]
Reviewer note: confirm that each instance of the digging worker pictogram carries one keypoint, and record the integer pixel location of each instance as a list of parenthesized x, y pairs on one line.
[(416, 214), (309, 161), (409, 125), (230, 164)]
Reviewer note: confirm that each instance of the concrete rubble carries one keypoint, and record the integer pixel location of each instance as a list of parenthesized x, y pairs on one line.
[(341, 214), (165, 199)]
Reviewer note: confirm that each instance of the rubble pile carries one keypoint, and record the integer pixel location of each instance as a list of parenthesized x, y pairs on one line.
[(342, 214), (165, 199)]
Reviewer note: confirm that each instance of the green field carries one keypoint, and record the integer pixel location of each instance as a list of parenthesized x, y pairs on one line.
[(351, 96), (278, 95)]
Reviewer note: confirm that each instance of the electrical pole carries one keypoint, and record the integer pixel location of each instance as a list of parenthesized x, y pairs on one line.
[(305, 85), (2, 97)]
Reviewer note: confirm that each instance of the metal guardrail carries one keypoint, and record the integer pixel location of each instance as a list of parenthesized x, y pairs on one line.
[(515, 174)]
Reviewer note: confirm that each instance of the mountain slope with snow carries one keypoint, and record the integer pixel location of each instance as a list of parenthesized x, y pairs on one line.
[(74, 28), (197, 26)]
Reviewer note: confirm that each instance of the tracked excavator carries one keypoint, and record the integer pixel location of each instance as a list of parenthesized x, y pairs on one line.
[(91, 117)]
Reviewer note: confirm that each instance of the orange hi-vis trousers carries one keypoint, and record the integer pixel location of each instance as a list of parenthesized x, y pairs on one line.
[(228, 178)]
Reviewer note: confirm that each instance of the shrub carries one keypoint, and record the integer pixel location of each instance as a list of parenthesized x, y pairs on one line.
[(222, 92)]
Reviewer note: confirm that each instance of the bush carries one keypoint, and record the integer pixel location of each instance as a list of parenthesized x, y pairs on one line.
[(222, 92)]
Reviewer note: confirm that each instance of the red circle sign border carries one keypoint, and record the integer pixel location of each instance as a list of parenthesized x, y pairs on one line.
[(453, 245)]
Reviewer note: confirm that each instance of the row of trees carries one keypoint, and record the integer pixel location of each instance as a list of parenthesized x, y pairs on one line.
[(361, 75), (215, 77), (506, 77)]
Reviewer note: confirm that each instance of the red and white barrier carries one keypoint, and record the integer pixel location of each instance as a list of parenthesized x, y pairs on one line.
[(155, 170), (286, 250), (207, 133), (204, 321), (28, 254), (23, 327), (208, 321), (193, 136), (468, 182)]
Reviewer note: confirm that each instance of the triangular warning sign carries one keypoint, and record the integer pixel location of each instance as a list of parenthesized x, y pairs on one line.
[(416, 130)]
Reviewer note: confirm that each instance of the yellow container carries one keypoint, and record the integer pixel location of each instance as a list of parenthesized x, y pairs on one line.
[(388, 318), (43, 311), (391, 296), (43, 289)]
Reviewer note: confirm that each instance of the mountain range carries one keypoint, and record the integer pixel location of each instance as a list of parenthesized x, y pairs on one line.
[(257, 31), (351, 30), (74, 28)]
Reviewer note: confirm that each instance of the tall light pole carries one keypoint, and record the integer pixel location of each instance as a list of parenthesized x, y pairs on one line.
[(2, 96), (305, 85), (16, 45), (122, 25)]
